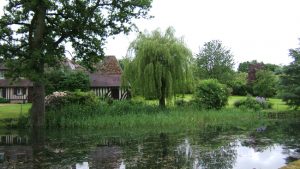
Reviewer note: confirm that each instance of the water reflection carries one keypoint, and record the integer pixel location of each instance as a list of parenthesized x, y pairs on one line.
[(272, 157), (212, 148)]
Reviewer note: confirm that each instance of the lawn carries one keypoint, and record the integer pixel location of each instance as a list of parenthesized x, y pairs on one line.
[(277, 104), (13, 110)]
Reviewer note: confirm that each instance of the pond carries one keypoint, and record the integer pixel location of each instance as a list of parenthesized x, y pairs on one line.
[(270, 145)]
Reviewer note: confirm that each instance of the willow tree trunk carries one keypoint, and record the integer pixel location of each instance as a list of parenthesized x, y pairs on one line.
[(36, 42), (162, 99)]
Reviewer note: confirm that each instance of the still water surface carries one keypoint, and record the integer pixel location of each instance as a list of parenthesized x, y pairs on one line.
[(268, 146)]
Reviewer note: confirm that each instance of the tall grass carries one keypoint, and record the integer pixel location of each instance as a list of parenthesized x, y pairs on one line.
[(140, 114), (127, 114)]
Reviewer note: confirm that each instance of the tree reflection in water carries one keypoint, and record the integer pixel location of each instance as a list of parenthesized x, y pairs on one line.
[(211, 147)]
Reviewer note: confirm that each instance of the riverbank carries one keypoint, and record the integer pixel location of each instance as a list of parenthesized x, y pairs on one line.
[(139, 114), (293, 165)]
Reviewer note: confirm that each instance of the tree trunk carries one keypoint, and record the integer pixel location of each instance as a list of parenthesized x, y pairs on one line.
[(38, 105), (162, 102), (36, 41), (38, 143), (162, 99)]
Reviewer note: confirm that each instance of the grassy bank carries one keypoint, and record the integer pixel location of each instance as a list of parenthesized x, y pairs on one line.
[(146, 114), (138, 113), (128, 115), (10, 113), (293, 165)]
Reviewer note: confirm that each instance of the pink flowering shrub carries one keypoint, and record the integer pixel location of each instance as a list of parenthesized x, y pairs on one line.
[(57, 100)]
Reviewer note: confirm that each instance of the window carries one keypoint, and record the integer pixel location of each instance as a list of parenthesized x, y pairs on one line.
[(19, 91), (1, 74)]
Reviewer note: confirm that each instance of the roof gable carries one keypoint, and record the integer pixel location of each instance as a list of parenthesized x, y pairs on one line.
[(109, 66), (108, 73)]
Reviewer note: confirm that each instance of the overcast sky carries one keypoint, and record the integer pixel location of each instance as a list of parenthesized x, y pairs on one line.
[(252, 29)]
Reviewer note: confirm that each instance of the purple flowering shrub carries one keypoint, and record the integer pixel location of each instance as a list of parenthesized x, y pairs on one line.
[(256, 104)]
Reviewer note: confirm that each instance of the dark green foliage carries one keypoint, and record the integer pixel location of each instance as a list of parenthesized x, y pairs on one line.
[(214, 61), (244, 66), (258, 76), (3, 100), (239, 84), (160, 67), (265, 84), (66, 80), (272, 67), (186, 104), (210, 94), (239, 90), (290, 80), (76, 80), (33, 35), (52, 23), (256, 104), (181, 102), (57, 101)]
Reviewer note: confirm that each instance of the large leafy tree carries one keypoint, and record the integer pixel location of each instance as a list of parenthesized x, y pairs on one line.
[(33, 34), (160, 66), (244, 66), (239, 84), (214, 61), (290, 80), (265, 84)]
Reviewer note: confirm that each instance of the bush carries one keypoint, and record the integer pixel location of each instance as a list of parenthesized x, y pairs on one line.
[(210, 94), (59, 99), (239, 90), (3, 100), (181, 102), (256, 104)]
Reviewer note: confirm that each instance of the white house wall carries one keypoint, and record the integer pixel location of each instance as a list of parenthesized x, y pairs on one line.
[(15, 98)]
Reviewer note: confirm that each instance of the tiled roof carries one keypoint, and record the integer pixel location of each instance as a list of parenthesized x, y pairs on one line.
[(100, 80), (108, 73), (109, 66), (17, 83), (70, 64)]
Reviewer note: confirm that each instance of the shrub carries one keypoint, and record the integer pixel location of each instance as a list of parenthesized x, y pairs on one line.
[(181, 102), (211, 94), (59, 99), (3, 100), (256, 104), (239, 90)]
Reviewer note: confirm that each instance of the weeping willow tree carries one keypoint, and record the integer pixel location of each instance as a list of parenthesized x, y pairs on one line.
[(158, 65)]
